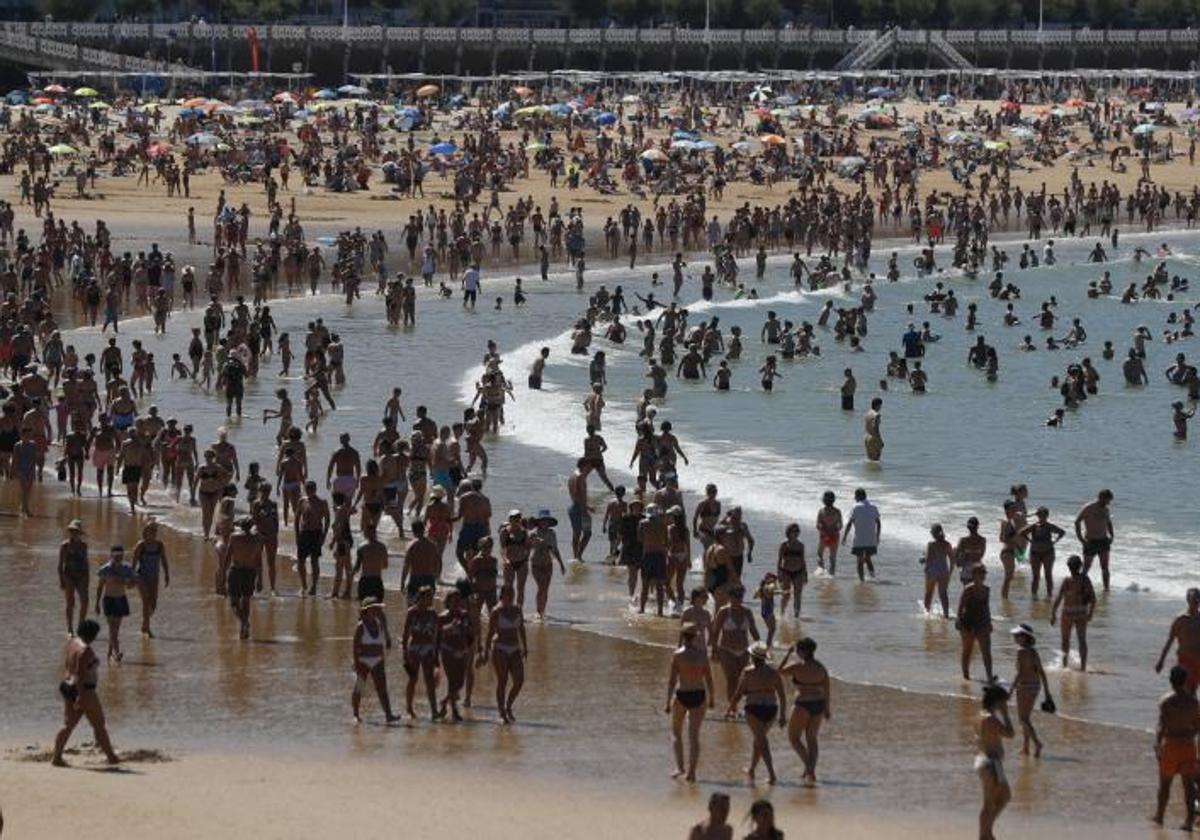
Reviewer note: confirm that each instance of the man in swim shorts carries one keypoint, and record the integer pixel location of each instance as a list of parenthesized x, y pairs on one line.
[(1094, 529), (1175, 745), (1185, 630)]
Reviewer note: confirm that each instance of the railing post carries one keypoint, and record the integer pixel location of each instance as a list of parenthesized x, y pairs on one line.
[(603, 49), (532, 49), (421, 50), (307, 49), (458, 52), (495, 48)]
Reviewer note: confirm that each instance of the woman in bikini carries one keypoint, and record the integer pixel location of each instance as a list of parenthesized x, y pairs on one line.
[(733, 627), (371, 638), (543, 552), (811, 706), (762, 687), (222, 531), (975, 622), (1042, 535), (514, 550), (994, 726), (1012, 543), (456, 649), (78, 690), (937, 560), (791, 569), (829, 532), (73, 573), (1027, 684), (419, 644), (149, 562), (689, 692), (439, 519), (370, 496), (508, 649)]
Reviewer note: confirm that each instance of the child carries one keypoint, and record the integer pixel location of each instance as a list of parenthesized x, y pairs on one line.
[(612, 518), (733, 350), (499, 304), (206, 369), (392, 408), (766, 595), (769, 373), (285, 354), (1180, 418), (312, 404), (149, 374), (518, 294), (254, 481), (178, 368)]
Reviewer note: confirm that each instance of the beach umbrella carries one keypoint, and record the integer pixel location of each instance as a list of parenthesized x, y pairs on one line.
[(191, 112), (1009, 105), (536, 147), (683, 145), (428, 90), (1145, 128), (55, 88), (881, 92), (996, 145), (86, 92), (353, 90), (761, 93), (17, 97), (606, 118), (202, 138), (654, 154), (530, 111), (956, 137), (850, 165), (772, 140), (443, 148), (705, 145), (159, 149), (879, 120), (99, 106), (946, 99), (1154, 106), (745, 145), (44, 108), (62, 149), (631, 99), (785, 99), (680, 134), (560, 109), (522, 91), (195, 102), (249, 120), (285, 96), (1075, 102), (42, 100), (326, 93)]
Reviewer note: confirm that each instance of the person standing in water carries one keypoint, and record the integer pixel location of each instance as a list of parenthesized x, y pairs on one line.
[(371, 639), (829, 529), (244, 557), (1078, 600), (937, 559), (689, 692), (112, 580), (78, 691), (73, 574), (762, 687), (974, 622), (508, 649), (1027, 684), (994, 726), (1185, 630), (1175, 746), (732, 628), (812, 703), (149, 561), (1094, 529), (872, 430), (867, 525)]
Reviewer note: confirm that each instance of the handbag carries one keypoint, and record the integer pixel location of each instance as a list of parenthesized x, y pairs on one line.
[(1048, 706), (68, 690)]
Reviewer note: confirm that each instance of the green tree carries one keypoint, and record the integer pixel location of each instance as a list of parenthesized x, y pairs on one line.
[(1162, 13), (920, 11), (67, 9), (1105, 13), (970, 14), (139, 9)]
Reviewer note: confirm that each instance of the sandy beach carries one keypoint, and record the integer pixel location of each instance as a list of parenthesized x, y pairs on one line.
[(254, 739)]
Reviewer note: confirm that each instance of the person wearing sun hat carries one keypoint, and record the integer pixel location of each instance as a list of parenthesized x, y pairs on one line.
[(543, 551), (513, 539), (762, 687), (73, 573), (1027, 684), (371, 639)]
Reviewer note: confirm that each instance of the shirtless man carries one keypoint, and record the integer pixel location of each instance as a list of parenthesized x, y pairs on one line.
[(1185, 630), (1078, 600), (244, 552), (344, 470), (265, 513), (369, 562), (1094, 529), (312, 527), (475, 513), (652, 534), (290, 475), (706, 515), (579, 512), (1175, 745), (135, 458), (422, 564), (105, 442)]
